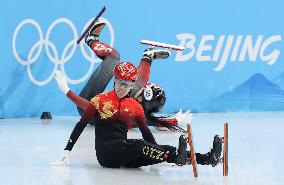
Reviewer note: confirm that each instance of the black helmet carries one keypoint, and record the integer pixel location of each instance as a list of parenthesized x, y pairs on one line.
[(153, 98)]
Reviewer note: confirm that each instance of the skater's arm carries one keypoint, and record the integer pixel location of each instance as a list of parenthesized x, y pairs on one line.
[(144, 72), (80, 126), (63, 86), (79, 101), (180, 118), (142, 125), (171, 121)]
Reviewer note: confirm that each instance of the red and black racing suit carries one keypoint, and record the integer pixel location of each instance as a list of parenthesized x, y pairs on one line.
[(111, 117)]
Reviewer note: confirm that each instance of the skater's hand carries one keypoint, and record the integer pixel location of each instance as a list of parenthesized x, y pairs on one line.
[(183, 118), (61, 82), (63, 160)]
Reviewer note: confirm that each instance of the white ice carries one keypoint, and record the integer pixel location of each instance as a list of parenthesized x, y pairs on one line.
[(27, 146)]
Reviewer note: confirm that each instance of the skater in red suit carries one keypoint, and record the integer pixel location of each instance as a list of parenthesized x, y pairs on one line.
[(112, 112)]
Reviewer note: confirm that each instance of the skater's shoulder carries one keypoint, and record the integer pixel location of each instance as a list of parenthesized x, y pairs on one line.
[(106, 94), (103, 96)]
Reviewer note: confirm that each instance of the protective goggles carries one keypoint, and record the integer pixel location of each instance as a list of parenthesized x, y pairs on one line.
[(124, 83)]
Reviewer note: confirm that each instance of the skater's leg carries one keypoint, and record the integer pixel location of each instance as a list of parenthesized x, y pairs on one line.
[(102, 50), (169, 155), (152, 154), (176, 156), (129, 153), (144, 73), (134, 153), (104, 72), (144, 67)]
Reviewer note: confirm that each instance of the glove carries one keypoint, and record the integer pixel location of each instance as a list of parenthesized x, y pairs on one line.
[(183, 118), (61, 82), (63, 160)]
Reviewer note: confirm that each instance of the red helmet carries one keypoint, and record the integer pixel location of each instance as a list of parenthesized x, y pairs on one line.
[(125, 71)]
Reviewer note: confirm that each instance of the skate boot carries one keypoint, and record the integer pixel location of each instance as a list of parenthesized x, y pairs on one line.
[(214, 156), (181, 156), (94, 32), (151, 54)]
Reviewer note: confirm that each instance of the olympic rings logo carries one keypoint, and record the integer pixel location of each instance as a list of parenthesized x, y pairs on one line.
[(48, 45)]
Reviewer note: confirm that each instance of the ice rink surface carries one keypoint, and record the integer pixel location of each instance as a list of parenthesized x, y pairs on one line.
[(27, 146)]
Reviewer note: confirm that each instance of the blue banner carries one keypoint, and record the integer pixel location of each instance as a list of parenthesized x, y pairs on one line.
[(232, 60)]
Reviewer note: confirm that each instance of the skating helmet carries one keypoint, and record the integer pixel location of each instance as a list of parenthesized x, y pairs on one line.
[(125, 71), (153, 97)]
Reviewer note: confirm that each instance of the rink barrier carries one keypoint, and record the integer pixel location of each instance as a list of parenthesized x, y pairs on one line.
[(225, 150), (192, 152)]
